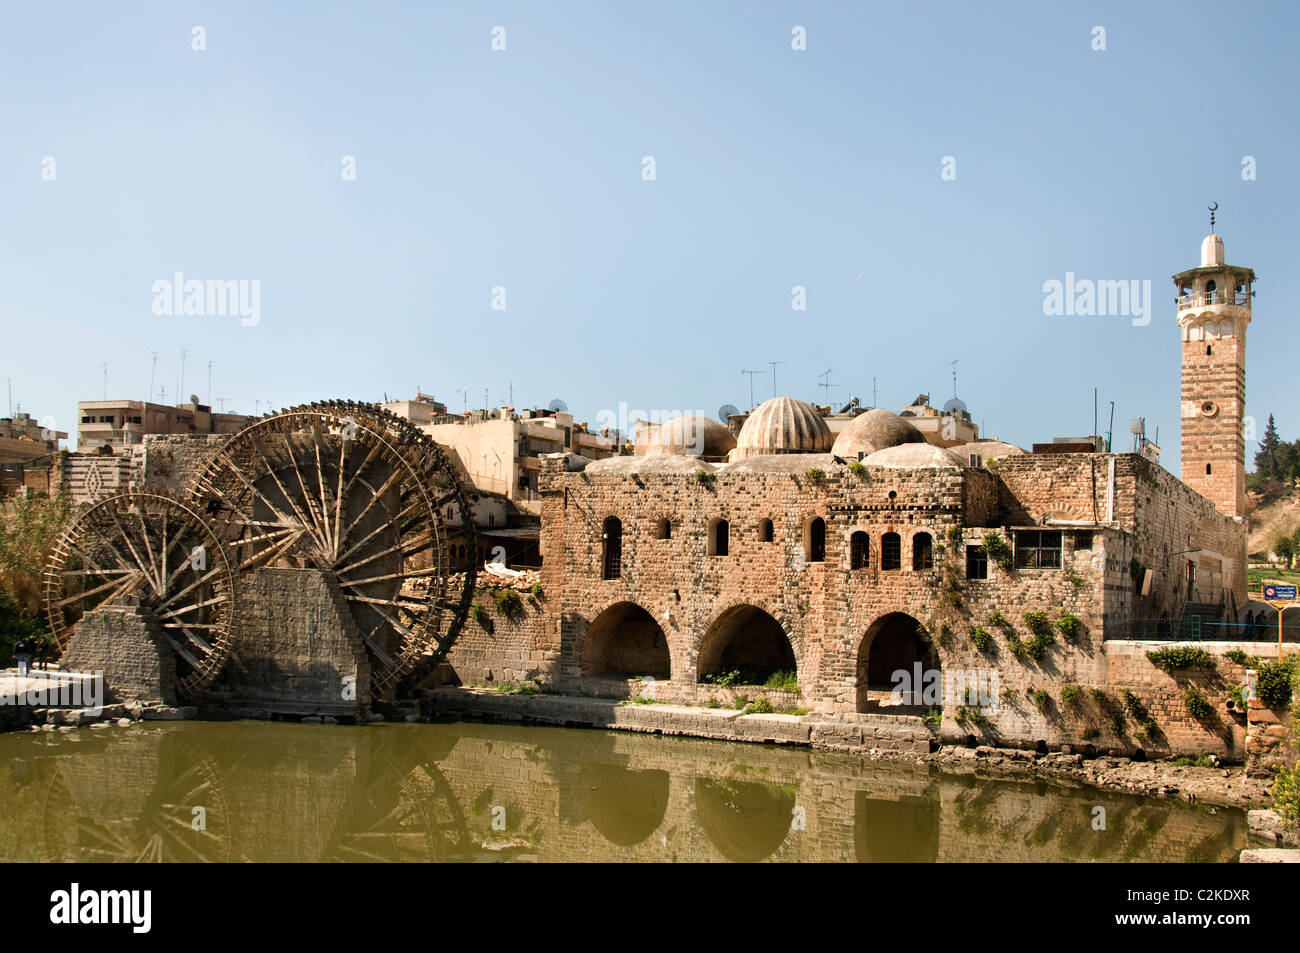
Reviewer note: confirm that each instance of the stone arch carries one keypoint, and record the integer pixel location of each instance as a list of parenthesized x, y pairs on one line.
[(814, 539), (859, 549), (719, 537), (625, 641), (894, 642), (747, 638), (612, 548), (766, 531), (663, 528), (922, 550)]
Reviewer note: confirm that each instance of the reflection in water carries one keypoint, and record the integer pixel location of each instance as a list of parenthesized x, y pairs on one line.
[(626, 806), (899, 830), (232, 791), (746, 821)]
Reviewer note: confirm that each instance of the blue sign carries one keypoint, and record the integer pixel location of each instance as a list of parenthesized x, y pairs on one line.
[(1279, 593)]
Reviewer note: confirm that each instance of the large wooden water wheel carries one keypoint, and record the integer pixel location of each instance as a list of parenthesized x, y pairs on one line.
[(149, 549), (354, 492)]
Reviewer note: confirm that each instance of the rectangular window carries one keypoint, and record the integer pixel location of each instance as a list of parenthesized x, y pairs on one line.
[(977, 563), (891, 551), (1083, 539), (1038, 549)]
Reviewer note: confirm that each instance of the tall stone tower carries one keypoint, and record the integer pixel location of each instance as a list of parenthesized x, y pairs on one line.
[(1213, 311)]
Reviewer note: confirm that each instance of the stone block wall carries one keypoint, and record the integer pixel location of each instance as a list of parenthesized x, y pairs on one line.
[(130, 648), (496, 649)]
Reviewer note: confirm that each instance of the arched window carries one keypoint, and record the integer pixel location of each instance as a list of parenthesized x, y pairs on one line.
[(891, 551), (719, 537), (766, 531), (663, 529), (613, 539), (859, 550), (922, 551), (462, 554), (814, 540)]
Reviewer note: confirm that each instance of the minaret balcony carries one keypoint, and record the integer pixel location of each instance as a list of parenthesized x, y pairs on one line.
[(1203, 299)]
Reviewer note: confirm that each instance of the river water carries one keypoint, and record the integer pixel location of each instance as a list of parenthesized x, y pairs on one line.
[(273, 791)]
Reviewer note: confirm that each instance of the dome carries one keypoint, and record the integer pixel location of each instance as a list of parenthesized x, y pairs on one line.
[(986, 450), (691, 434), (872, 431), (783, 425), (1212, 251), (908, 455)]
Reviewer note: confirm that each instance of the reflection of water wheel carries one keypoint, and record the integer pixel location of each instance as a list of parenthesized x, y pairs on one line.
[(406, 812), (150, 547), (163, 827), (350, 490)]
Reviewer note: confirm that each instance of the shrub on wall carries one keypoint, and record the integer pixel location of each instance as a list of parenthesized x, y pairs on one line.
[(857, 467), (1069, 624), (1174, 658), (1071, 696), (996, 548), (1042, 701), (981, 639), (1196, 704), (1274, 685), (706, 478), (816, 474)]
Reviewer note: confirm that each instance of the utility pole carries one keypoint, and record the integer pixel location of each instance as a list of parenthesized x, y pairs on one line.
[(180, 387), (105, 369), (210, 363), (152, 371), (751, 386), (774, 363), (11, 397), (873, 393), (464, 399)]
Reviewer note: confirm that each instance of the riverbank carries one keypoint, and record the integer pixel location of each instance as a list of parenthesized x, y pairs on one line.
[(880, 737)]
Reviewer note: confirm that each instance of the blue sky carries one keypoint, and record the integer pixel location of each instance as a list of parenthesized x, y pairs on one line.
[(522, 168)]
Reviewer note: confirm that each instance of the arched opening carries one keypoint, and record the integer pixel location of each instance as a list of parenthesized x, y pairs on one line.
[(1208, 350), (897, 665), (901, 831), (625, 641), (624, 804), (745, 820), (859, 550), (766, 531), (613, 548), (663, 529), (748, 642), (461, 553), (922, 551), (814, 540), (891, 551), (719, 537)]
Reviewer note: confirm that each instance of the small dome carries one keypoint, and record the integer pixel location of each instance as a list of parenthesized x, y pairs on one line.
[(1212, 251), (908, 455), (986, 450), (692, 434), (783, 425), (872, 431)]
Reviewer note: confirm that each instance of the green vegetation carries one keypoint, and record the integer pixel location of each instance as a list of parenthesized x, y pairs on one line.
[(508, 602), (1174, 658), (998, 619), (1237, 655), (712, 703), (706, 478), (536, 590), (1069, 624), (1071, 696), (971, 716), (857, 468), (1274, 685), (760, 706), (997, 549), (780, 680), (932, 716), (479, 614), (816, 474), (1074, 579), (1196, 704), (1200, 761), (981, 639), (515, 688), (1042, 700), (29, 528)]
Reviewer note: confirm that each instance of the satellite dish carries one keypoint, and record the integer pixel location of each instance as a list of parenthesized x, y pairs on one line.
[(558, 406), (194, 398), (727, 410)]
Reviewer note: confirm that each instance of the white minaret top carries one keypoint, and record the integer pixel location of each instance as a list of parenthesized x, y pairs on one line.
[(1212, 251)]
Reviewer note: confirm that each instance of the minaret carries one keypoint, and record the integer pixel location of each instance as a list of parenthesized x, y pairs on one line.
[(1213, 311)]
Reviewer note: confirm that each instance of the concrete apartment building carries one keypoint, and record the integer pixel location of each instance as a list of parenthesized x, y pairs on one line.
[(116, 424)]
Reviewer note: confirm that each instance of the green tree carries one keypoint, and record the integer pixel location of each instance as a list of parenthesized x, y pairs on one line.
[(29, 528), (1265, 462), (1284, 546), (1286, 462)]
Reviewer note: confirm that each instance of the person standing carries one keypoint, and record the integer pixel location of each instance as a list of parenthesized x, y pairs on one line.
[(23, 652)]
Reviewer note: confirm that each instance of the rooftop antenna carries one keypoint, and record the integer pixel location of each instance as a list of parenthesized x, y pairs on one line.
[(953, 365), (162, 394), (221, 403), (751, 385), (180, 385), (152, 372), (774, 363), (11, 396), (1214, 207), (512, 394), (826, 384), (104, 367), (464, 399), (210, 363), (873, 393), (1111, 431), (486, 400)]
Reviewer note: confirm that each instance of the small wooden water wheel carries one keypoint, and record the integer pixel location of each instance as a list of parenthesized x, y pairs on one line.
[(356, 493), (147, 548)]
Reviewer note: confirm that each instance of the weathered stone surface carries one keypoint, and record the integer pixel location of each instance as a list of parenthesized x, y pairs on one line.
[(1270, 855), (130, 648)]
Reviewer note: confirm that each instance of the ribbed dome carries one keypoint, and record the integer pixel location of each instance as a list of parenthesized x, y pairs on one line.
[(911, 455), (691, 434), (872, 431), (783, 425)]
